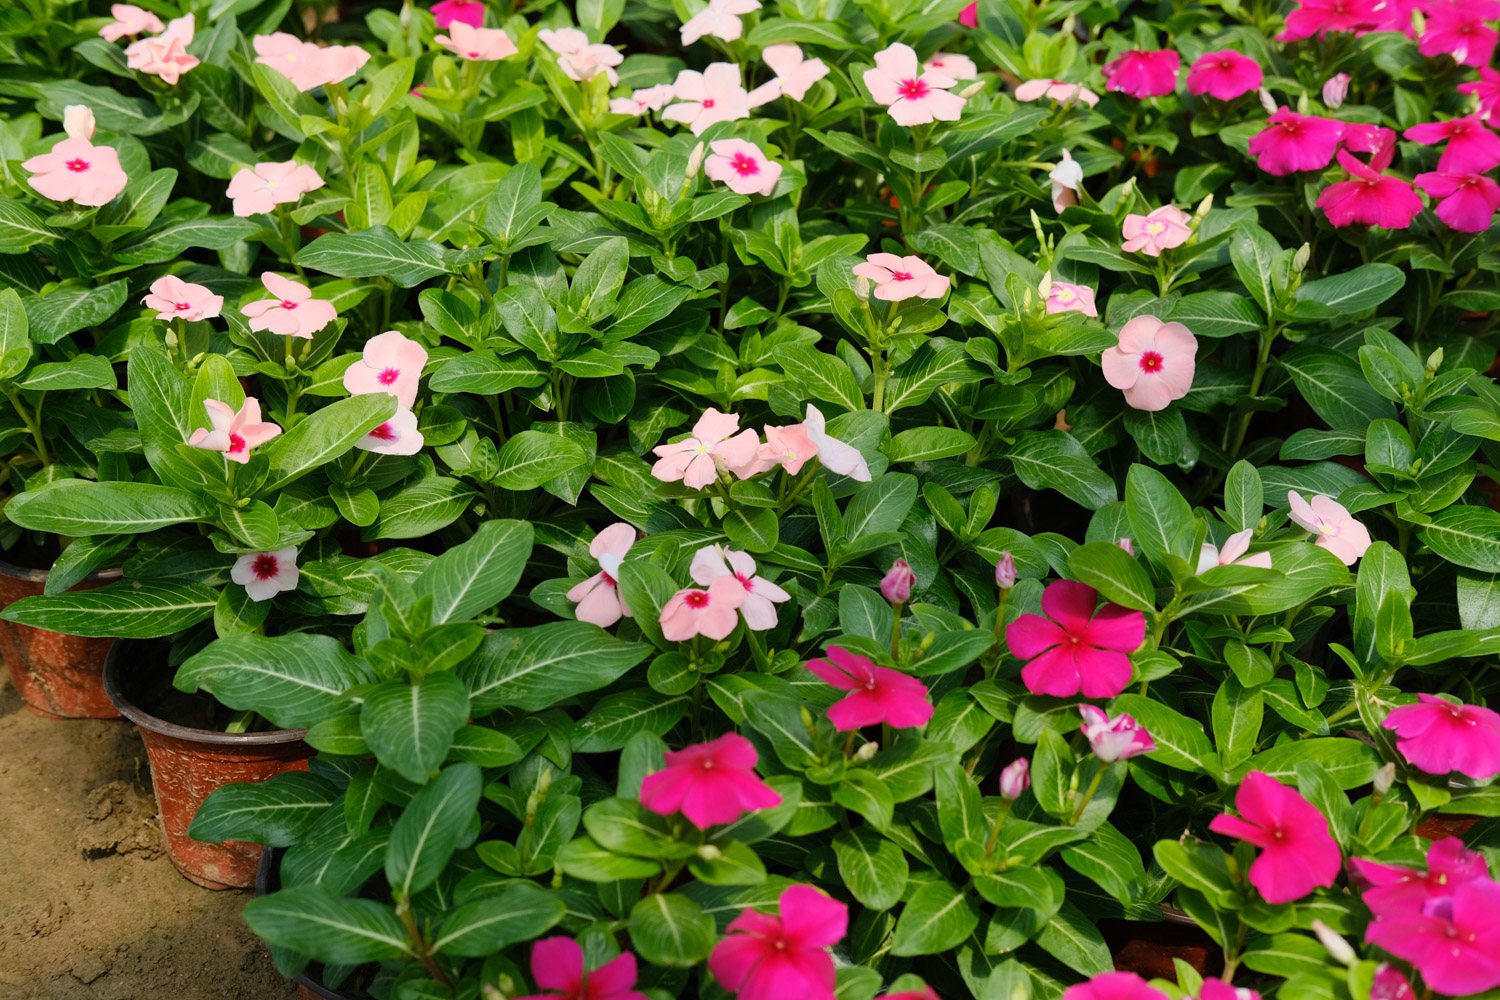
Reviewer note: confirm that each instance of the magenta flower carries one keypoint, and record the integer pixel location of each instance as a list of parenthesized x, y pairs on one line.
[(266, 574), (1067, 182), (789, 447), (1153, 363), (834, 455), (709, 783), (1163, 229), (1466, 202), (1471, 147), (721, 19), (925, 993), (709, 613), (391, 363), (641, 101), (1112, 739), (969, 16), (130, 20), (794, 74), (78, 171), (911, 96), (1114, 986), (1390, 984), (1487, 90), (308, 66), (579, 59), (1015, 778), (1063, 297), (1336, 529), (1454, 941), (267, 185), (1076, 647), (898, 278), (293, 312), (1224, 75), (1457, 28), (477, 44), (1143, 73), (1005, 571), (957, 66), (714, 562), (1370, 197), (896, 585), (557, 966), (164, 55), (235, 434), (1216, 989), (777, 958), (706, 98), (470, 12), (598, 598), (1439, 736), (1233, 553), (1291, 142), (1318, 17), (397, 436), (876, 694), (741, 166), (694, 461), (1056, 90), (173, 298), (1335, 91), (1297, 854), (1392, 889)]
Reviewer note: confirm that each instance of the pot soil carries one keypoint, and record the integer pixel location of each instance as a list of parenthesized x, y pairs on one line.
[(268, 880), (59, 676), (189, 763)]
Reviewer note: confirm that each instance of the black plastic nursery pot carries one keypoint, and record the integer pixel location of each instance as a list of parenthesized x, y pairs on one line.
[(268, 880)]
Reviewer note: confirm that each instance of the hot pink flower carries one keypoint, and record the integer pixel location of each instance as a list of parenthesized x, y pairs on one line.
[(695, 460), (579, 59), (1439, 736), (391, 363), (130, 20), (721, 19), (794, 74), (1458, 29), (834, 455), (478, 44), (742, 167), (925, 993), (164, 55), (1056, 90), (557, 966), (1225, 75), (1153, 363), (1390, 984), (709, 613), (1370, 198), (713, 562), (1472, 148), (1142, 73), (1291, 142), (1336, 529), (1487, 90), (1067, 182), (1114, 986), (266, 574), (789, 447), (896, 585), (1163, 229), (270, 184), (1076, 647), (1112, 739), (969, 16), (1394, 15), (235, 434), (638, 103), (709, 783), (308, 66), (956, 66), (1336, 90), (1468, 201), (397, 436), (78, 171), (1453, 941), (898, 278), (1297, 854), (1235, 547), (598, 598), (173, 298), (876, 694), (706, 98), (911, 96), (776, 958), (292, 313), (470, 12), (1392, 889), (1015, 778), (1318, 17), (1216, 989), (1063, 297)]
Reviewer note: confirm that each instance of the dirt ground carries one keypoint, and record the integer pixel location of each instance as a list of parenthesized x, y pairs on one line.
[(90, 907)]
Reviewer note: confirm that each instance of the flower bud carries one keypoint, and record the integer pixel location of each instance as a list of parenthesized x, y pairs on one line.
[(1385, 778), (695, 160), (708, 852), (1045, 288), (1435, 361), (1016, 778), (78, 121), (1335, 943), (866, 752), (896, 587), (1267, 101), (1390, 984), (1005, 571), (1335, 91), (1301, 257), (1127, 545), (1117, 738)]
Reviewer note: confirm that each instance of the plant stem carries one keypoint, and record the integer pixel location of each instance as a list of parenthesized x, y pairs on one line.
[(419, 945), (1262, 364), (1088, 795)]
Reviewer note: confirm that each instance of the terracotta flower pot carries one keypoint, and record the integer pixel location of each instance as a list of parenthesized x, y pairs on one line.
[(267, 880), (187, 764), (59, 676), (1148, 949)]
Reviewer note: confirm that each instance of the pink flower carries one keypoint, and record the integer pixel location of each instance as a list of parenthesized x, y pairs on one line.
[(1390, 984), (969, 16), (1394, 15), (1216, 989), (742, 167), (557, 966), (1336, 529), (1439, 736), (713, 562), (308, 66), (78, 171), (1067, 182), (397, 436), (1114, 986), (1153, 363), (1126, 545), (1458, 29), (911, 96), (719, 19), (1472, 148), (479, 44), (1063, 297), (1056, 90), (896, 585), (1225, 75), (1112, 739), (1015, 778), (1370, 197), (1318, 17), (638, 103), (709, 613), (706, 98), (1469, 201), (292, 313), (235, 434), (1336, 90), (1297, 854), (266, 574), (695, 460), (709, 783), (1393, 889), (598, 598), (777, 958), (1487, 90), (470, 12), (876, 694), (834, 455), (270, 184), (1233, 554), (956, 66), (164, 55), (1453, 941), (794, 74), (925, 993), (1076, 648), (1163, 229), (1291, 142), (1005, 571), (898, 278), (1142, 73), (391, 363), (580, 60), (789, 447), (130, 20), (173, 298)]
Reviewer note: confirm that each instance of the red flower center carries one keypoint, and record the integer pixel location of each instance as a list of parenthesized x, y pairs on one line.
[(609, 581), (913, 90), (900, 275), (288, 304), (744, 165), (184, 306), (473, 55), (236, 444), (696, 598), (77, 166), (388, 376), (264, 567), (384, 433), (1151, 362), (745, 581)]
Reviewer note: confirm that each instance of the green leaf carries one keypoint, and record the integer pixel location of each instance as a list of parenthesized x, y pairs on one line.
[(1052, 772), (77, 507), (1161, 523), (1244, 499), (1180, 741), (514, 913), (822, 375), (323, 436), (1463, 535), (422, 508), (431, 827), (168, 240), (531, 458), (1115, 573), (1355, 290), (125, 610), (1333, 384), (374, 251), (1054, 460), (1349, 762), (71, 308), (671, 930), (411, 726), (15, 338), (313, 921), (478, 574), (21, 228), (874, 868), (277, 812), (928, 444), (535, 668), (294, 680), (85, 371), (1071, 938), (936, 918), (880, 506), (617, 717)]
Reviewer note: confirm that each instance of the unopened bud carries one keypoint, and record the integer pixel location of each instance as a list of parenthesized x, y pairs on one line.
[(1016, 778), (1335, 943), (1045, 288), (971, 89), (1267, 101), (487, 991), (1335, 91), (896, 587), (708, 852), (1385, 778), (1435, 360), (867, 752), (78, 121), (1005, 571), (1301, 257), (1127, 545), (696, 160), (1202, 211)]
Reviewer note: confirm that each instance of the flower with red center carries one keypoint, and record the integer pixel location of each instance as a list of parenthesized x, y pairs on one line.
[(164, 55), (391, 363), (1439, 736), (1076, 647), (78, 171), (721, 19), (898, 278), (1114, 986), (1162, 229), (1153, 363), (780, 958), (1319, 17), (714, 562), (1457, 28), (1112, 739), (1371, 197), (1335, 528), (1056, 90), (742, 166), (1224, 75), (1486, 90), (949, 64), (1297, 854), (709, 783), (306, 65), (598, 598), (1454, 941), (711, 613), (235, 434), (1291, 142), (477, 44), (173, 298), (266, 185), (794, 74), (1466, 202), (266, 574), (292, 313), (836, 456), (716, 440), (911, 96), (577, 58), (397, 436), (1393, 889), (703, 99), (1471, 147), (1143, 73), (130, 20), (876, 694), (557, 966), (1063, 297), (470, 12)]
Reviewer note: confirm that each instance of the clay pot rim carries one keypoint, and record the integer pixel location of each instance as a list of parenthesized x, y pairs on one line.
[(142, 718), (40, 575)]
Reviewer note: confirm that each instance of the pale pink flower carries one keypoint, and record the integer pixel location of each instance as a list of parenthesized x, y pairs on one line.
[(782, 958), (833, 454), (1297, 854), (709, 783), (78, 121), (1439, 736), (794, 74), (598, 598), (397, 436), (1112, 739), (292, 313), (308, 66), (391, 363), (1063, 297), (1153, 363), (1336, 91), (703, 99), (1015, 778), (876, 694), (1067, 182), (898, 278), (714, 562), (78, 171), (173, 298), (577, 58), (1056, 90), (1233, 553), (957, 66), (266, 185), (266, 574), (789, 447), (557, 967), (721, 19), (911, 96), (695, 460), (235, 434), (470, 12), (742, 166), (896, 585), (1078, 646), (130, 20), (1336, 529), (164, 55), (710, 613), (638, 103), (1163, 229), (479, 44)]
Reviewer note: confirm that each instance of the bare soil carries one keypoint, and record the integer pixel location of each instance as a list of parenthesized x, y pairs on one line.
[(90, 907)]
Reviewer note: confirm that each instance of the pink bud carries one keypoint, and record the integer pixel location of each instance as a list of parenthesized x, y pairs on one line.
[(1005, 570), (1016, 778), (1112, 739), (1335, 91), (896, 587), (1390, 984), (1125, 544)]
